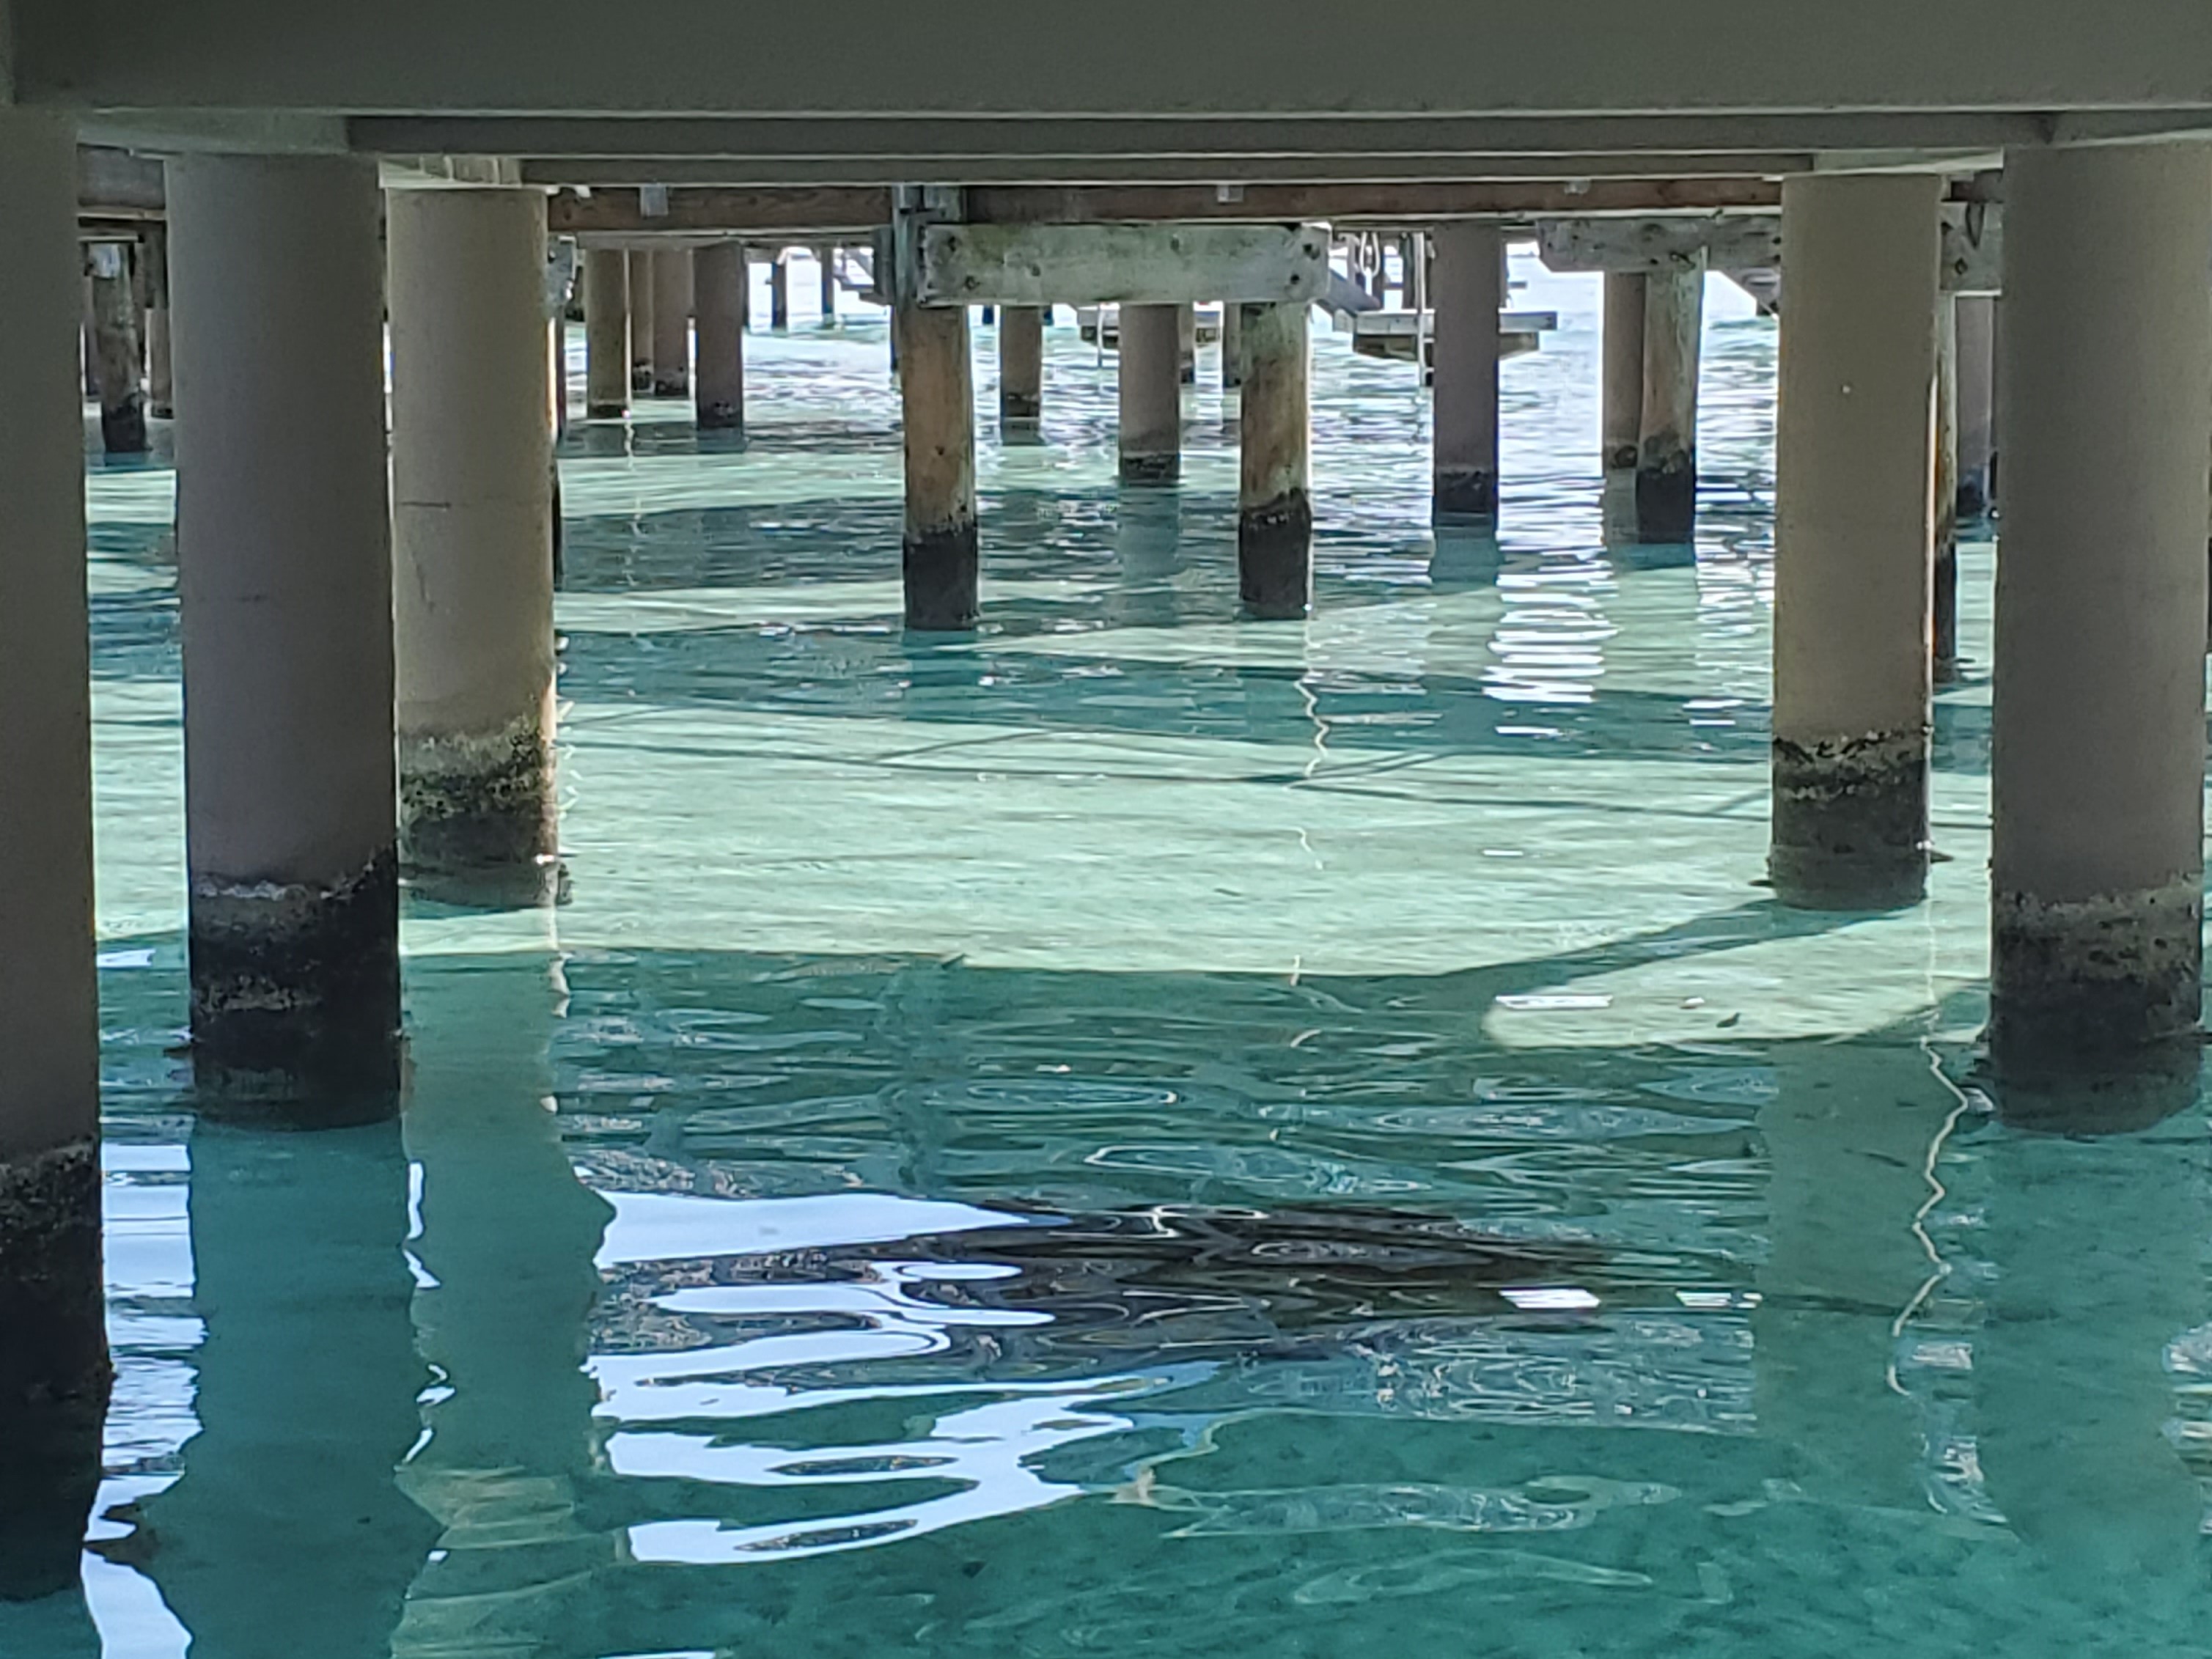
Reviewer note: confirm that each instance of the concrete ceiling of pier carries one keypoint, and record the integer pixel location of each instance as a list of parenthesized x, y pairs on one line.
[(1242, 89)]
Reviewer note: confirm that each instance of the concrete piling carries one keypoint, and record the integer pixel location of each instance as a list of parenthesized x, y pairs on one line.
[(115, 350), (1852, 537), (286, 606), (1622, 395), (671, 322), (778, 292), (1021, 371), (54, 1369), (1943, 623), (1977, 359), (154, 253), (2098, 755), (1470, 279), (1275, 511), (938, 401), (1666, 443), (473, 537), (643, 321), (719, 279), (1150, 395), (606, 334)]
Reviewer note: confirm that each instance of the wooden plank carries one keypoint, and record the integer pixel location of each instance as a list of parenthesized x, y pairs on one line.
[(1385, 325), (1973, 248), (1152, 265), (1286, 167), (795, 210), (1973, 245), (115, 184), (1367, 202), (1745, 243)]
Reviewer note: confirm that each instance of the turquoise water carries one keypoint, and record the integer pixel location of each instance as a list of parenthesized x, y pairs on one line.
[(1137, 1131)]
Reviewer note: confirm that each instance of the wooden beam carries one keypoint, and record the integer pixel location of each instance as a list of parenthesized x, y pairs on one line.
[(1139, 133), (1974, 249), (1094, 264), (1972, 233), (798, 211), (1378, 204), (115, 184), (801, 211), (985, 168), (1744, 243)]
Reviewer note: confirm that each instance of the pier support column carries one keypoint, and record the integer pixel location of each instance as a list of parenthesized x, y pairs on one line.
[(1943, 625), (671, 322), (827, 258), (718, 287), (53, 1358), (1187, 345), (642, 322), (1021, 371), (1274, 513), (937, 397), (778, 292), (472, 542), (1622, 395), (1852, 540), (153, 250), (1667, 445), (1413, 265), (606, 334), (285, 601), (115, 341), (1151, 394), (1232, 345), (2098, 761), (1977, 329), (1470, 279)]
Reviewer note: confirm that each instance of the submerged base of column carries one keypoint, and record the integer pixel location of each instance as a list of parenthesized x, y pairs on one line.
[(55, 1374), (721, 417), (2111, 984), (123, 429), (1850, 823), (1156, 469), (1974, 501), (1667, 499), (479, 822), (1465, 497), (295, 993), (606, 411), (1945, 629), (1021, 415), (943, 588), (1274, 558), (670, 386)]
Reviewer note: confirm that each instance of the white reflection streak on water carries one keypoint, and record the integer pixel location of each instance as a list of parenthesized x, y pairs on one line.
[(985, 1449)]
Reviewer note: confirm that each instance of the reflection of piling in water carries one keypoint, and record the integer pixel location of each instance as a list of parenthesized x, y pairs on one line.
[(287, 1532), (54, 1370), (507, 1242), (53, 1347), (1851, 1134), (2098, 1251), (1148, 546)]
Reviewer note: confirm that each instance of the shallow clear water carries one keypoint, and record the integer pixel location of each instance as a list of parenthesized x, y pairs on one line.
[(1137, 1132)]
